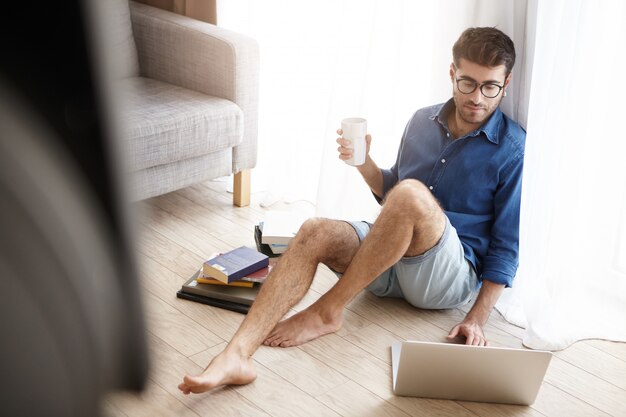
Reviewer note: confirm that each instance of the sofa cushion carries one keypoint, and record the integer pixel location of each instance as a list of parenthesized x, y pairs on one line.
[(164, 178), (165, 123)]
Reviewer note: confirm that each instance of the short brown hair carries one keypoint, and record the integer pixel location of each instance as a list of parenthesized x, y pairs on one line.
[(485, 46)]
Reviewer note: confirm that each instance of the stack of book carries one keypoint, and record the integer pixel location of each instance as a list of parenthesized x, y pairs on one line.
[(228, 280), (274, 233)]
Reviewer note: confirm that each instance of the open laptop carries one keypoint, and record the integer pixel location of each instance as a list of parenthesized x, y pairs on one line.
[(468, 373)]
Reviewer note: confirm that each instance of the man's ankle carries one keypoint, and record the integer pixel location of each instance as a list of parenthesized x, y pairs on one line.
[(234, 349), (328, 315)]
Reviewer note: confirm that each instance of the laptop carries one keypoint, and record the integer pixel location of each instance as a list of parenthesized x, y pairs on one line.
[(468, 373)]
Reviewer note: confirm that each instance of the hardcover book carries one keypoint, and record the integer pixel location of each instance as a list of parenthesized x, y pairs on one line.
[(247, 281), (203, 279), (239, 295), (235, 264), (228, 305), (279, 227), (261, 275)]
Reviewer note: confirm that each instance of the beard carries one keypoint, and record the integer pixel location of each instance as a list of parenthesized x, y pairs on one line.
[(474, 113)]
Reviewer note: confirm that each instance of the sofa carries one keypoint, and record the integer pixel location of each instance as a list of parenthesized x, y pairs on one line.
[(190, 94)]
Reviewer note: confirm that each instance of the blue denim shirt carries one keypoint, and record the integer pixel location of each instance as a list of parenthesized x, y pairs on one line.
[(476, 178)]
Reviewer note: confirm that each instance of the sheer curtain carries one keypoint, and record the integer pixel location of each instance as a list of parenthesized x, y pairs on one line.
[(571, 284), (329, 59), (325, 60)]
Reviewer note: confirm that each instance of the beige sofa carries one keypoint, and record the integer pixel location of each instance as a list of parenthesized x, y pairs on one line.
[(191, 94)]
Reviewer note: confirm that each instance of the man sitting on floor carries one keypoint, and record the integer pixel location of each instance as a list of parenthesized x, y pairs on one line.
[(449, 223)]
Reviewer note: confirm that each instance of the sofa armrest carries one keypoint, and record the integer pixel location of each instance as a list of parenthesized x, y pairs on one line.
[(202, 57)]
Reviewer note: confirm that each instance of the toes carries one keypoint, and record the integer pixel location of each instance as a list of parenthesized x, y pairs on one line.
[(278, 341), (185, 389), (270, 339), (195, 384)]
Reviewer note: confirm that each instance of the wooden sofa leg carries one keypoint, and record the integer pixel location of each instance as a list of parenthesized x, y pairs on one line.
[(241, 188)]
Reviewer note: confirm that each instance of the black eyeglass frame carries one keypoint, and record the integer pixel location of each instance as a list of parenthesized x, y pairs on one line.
[(477, 85)]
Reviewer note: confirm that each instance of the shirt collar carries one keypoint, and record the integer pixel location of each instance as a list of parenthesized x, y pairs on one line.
[(490, 128)]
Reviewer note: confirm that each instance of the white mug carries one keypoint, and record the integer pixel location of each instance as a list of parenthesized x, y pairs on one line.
[(354, 129)]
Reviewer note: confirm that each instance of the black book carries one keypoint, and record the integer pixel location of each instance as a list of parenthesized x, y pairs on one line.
[(227, 305), (238, 295)]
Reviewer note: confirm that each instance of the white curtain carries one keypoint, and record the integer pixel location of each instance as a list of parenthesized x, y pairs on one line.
[(571, 284), (325, 60)]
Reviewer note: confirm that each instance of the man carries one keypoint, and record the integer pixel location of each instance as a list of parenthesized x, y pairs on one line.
[(449, 222)]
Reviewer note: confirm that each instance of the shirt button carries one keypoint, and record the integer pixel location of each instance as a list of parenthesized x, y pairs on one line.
[(430, 188), (448, 134), (443, 161)]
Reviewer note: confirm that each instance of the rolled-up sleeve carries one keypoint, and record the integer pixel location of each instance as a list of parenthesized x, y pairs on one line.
[(390, 178), (502, 258)]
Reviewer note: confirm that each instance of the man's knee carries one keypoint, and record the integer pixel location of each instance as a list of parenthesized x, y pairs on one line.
[(413, 195), (312, 226), (328, 241), (313, 232)]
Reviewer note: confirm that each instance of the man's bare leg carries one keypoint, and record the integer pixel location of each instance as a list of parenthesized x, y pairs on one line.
[(410, 223), (319, 240)]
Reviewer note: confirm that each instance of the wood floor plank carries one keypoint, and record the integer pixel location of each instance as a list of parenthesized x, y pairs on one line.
[(274, 394), (301, 369), (346, 373), (353, 362), (325, 279), (284, 399), (175, 328), (200, 215), (168, 369), (154, 401), (617, 349), (351, 399), (597, 362), (425, 407), (155, 246), (500, 410), (375, 340), (186, 235), (352, 322), (587, 387), (110, 409), (375, 375), (164, 283), (554, 402), (220, 204), (397, 316)]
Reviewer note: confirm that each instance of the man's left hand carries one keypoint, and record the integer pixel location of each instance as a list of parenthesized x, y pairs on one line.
[(472, 331)]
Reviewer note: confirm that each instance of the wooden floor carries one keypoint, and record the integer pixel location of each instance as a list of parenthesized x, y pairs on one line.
[(343, 374)]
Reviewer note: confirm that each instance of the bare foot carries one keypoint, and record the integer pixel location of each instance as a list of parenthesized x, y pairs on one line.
[(301, 328), (224, 369)]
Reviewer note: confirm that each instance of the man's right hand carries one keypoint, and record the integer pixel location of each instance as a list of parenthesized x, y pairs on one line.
[(345, 153)]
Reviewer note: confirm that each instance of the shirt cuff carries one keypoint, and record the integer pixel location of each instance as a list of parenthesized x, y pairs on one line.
[(389, 180), (507, 281)]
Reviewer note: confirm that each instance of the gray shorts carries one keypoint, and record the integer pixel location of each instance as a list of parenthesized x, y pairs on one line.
[(439, 278)]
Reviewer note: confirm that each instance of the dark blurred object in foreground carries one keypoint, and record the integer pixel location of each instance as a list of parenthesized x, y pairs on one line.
[(70, 312)]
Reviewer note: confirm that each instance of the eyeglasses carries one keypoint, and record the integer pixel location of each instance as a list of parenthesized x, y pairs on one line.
[(488, 90)]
